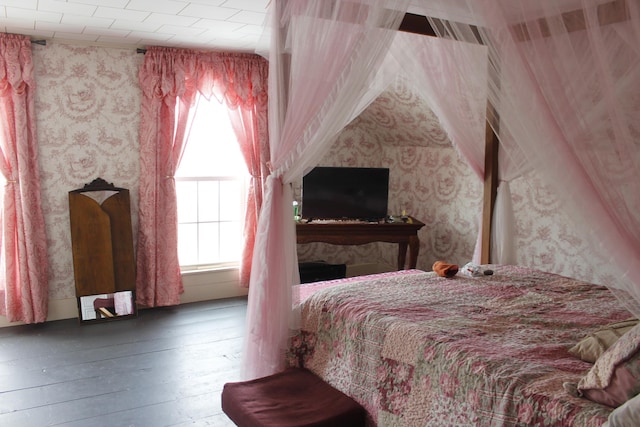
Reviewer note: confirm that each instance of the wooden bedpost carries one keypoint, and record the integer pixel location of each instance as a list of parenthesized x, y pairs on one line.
[(417, 24), (490, 184)]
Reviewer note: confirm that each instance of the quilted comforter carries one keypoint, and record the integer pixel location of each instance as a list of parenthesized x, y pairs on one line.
[(423, 350)]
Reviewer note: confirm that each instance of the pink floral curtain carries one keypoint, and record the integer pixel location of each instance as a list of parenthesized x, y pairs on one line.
[(23, 257), (170, 79)]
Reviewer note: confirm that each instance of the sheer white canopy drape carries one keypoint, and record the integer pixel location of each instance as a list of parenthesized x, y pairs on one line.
[(567, 95), (323, 56), (452, 78)]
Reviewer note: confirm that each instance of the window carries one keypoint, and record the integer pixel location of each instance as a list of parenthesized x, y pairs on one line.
[(211, 184)]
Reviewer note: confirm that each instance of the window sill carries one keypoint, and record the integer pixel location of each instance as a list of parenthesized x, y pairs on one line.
[(210, 269)]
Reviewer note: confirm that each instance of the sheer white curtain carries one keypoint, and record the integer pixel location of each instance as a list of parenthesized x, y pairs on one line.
[(323, 58), (568, 96), (511, 165), (452, 77)]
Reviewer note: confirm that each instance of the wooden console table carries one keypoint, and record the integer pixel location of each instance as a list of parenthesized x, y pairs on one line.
[(405, 234)]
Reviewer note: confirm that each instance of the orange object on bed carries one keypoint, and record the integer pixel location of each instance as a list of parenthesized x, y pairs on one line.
[(444, 269)]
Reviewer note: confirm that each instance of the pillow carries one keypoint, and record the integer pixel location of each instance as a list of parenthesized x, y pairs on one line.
[(594, 344), (615, 377), (626, 415)]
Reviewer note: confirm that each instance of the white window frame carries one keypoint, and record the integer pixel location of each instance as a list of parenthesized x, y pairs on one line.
[(222, 264), (242, 179)]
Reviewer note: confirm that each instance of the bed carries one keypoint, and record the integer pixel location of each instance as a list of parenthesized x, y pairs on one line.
[(415, 348)]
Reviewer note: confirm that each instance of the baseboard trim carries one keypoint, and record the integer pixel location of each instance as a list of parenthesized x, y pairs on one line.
[(198, 286)]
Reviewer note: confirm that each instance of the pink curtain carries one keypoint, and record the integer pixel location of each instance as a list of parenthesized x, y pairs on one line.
[(323, 58), (23, 253), (170, 79)]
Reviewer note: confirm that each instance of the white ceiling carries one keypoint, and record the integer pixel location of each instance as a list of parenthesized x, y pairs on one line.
[(231, 25)]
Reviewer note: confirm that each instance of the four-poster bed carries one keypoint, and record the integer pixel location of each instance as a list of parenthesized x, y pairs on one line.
[(575, 127)]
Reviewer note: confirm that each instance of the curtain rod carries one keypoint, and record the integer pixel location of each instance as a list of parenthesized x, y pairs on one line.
[(44, 43)]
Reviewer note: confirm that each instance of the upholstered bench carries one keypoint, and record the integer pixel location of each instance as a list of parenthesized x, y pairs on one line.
[(292, 398)]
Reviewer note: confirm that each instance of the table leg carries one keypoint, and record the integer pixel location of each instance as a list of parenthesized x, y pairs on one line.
[(414, 248), (402, 255)]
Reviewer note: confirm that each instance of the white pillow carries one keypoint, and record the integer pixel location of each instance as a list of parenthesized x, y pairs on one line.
[(597, 342), (625, 415)]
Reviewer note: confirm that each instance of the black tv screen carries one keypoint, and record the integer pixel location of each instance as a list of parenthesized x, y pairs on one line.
[(345, 193)]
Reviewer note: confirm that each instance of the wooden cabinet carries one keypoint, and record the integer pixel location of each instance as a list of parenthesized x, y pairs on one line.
[(103, 253)]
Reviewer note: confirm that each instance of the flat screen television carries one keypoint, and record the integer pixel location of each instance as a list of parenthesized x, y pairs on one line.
[(345, 193)]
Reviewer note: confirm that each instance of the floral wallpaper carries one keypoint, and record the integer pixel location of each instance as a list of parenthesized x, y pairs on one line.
[(547, 238), (87, 104)]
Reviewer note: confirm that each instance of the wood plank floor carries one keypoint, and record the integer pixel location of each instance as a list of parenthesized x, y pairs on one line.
[(165, 367)]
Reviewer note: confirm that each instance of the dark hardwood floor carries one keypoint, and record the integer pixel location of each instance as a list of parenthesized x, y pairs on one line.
[(165, 367)]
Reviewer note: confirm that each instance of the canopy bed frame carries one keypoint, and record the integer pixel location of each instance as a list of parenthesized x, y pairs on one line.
[(544, 118)]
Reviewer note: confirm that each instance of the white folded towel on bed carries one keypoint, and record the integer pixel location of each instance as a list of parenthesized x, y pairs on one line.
[(472, 270)]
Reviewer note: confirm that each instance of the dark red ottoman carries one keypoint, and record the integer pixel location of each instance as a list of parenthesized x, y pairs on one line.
[(292, 398)]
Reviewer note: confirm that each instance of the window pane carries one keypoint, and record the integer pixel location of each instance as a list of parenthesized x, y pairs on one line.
[(231, 241), (188, 244), (187, 201), (231, 201), (212, 148), (208, 201), (209, 242)]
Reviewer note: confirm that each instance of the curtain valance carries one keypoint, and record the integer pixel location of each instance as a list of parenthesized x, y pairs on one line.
[(237, 78), (16, 66)]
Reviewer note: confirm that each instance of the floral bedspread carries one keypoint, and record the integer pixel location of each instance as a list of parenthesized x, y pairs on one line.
[(422, 350)]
